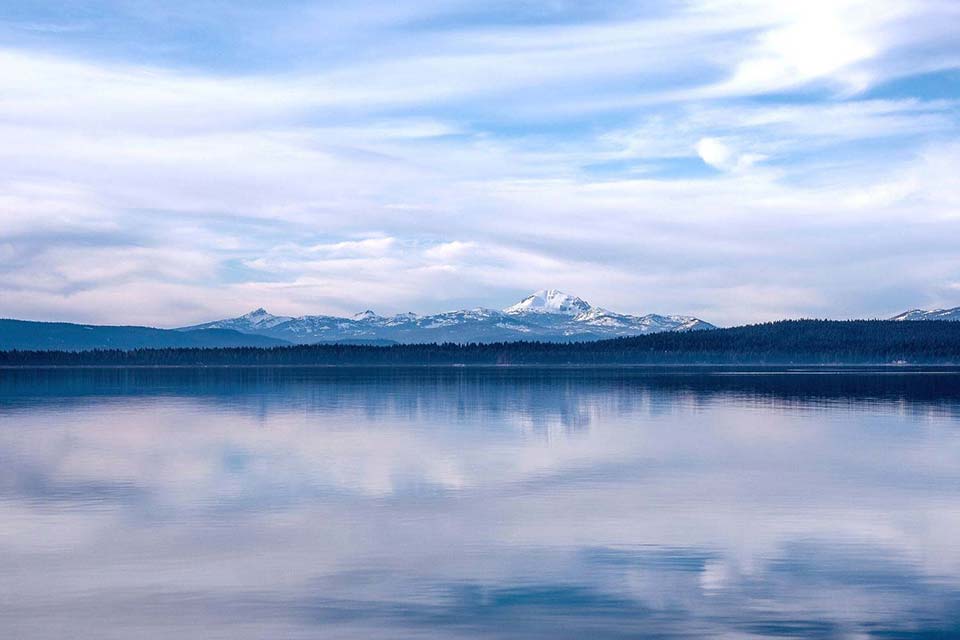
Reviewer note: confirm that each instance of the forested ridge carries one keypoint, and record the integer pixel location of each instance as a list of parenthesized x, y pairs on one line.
[(783, 342)]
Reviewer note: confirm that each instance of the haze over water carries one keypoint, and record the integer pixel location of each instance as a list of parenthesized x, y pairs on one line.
[(510, 503)]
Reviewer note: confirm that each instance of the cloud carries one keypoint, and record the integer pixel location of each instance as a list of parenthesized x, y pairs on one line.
[(720, 155), (647, 160)]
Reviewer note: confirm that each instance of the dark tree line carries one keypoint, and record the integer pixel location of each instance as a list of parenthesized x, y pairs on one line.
[(784, 342)]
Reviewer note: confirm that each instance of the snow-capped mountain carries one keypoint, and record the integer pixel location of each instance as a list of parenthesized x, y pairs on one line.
[(364, 315), (257, 321), (547, 315), (549, 301), (935, 314), (650, 323)]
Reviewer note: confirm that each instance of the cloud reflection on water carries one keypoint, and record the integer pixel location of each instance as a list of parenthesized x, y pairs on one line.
[(516, 503)]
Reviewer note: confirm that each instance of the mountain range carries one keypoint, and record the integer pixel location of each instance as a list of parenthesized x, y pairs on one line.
[(548, 316)]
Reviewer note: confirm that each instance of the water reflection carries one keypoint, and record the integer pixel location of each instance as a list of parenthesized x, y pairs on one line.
[(503, 502)]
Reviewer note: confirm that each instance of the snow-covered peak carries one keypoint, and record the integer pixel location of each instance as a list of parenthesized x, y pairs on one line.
[(935, 314), (252, 322), (260, 318), (650, 323), (365, 315), (549, 301), (400, 319), (595, 312), (913, 314), (603, 317)]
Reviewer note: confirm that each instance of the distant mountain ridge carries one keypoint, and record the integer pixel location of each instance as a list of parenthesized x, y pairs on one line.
[(545, 316), (952, 315), (64, 336), (548, 315), (786, 342)]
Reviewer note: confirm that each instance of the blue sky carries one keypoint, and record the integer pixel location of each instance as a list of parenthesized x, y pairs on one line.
[(172, 162)]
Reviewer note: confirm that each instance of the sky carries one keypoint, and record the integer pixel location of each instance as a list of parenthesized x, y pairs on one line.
[(167, 163)]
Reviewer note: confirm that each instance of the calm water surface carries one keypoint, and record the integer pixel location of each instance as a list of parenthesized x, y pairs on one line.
[(448, 503)]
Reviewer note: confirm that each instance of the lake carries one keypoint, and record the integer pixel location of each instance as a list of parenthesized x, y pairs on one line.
[(479, 502)]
